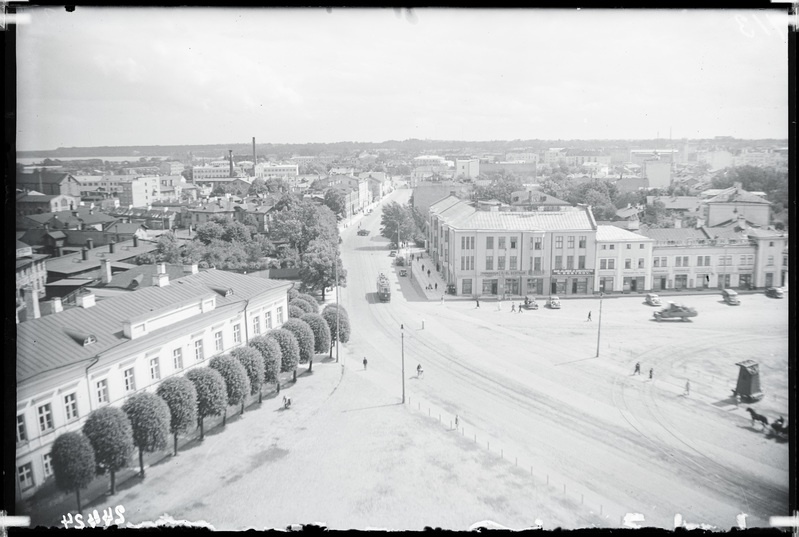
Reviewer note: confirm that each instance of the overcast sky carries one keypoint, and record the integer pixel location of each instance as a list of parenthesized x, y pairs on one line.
[(142, 76)]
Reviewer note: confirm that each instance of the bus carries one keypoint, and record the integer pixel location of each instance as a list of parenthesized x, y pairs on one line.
[(383, 288)]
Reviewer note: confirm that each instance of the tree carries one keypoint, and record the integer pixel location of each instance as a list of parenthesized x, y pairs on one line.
[(295, 312), (303, 305), (209, 231), (343, 333), (168, 249), (180, 396), (109, 431), (253, 364), (501, 187), (310, 299), (321, 331), (149, 419), (336, 202), (292, 294), (73, 463), (236, 231), (275, 185), (258, 186), (289, 349), (305, 339), (270, 351), (236, 380), (318, 267), (300, 222), (211, 393), (397, 223)]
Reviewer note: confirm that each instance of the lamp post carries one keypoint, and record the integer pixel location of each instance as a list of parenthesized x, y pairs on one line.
[(402, 331), (599, 328), (335, 268)]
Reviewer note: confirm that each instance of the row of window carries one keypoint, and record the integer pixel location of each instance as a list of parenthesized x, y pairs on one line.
[(256, 320), (536, 243), (535, 262), (25, 472), (704, 260), (641, 246), (610, 263)]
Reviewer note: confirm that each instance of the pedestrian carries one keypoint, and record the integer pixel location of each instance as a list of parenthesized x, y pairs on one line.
[(442, 300), (364, 363), (651, 373), (428, 273), (512, 307), (436, 286), (478, 301), (637, 368), (520, 308), (456, 421), (687, 387), (499, 304), (278, 385), (589, 315), (422, 267)]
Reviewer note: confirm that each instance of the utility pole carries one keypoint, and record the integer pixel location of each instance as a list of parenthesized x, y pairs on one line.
[(335, 268), (599, 328), (402, 331)]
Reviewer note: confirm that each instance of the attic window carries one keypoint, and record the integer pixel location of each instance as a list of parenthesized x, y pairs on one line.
[(89, 340), (229, 292), (81, 338)]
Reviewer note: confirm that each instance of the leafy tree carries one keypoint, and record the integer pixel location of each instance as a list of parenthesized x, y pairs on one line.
[(211, 393), (236, 231), (343, 333), (396, 218), (303, 305), (236, 380), (304, 336), (208, 232), (149, 419), (73, 463), (289, 349), (500, 188), (275, 185), (258, 186), (318, 267), (168, 249), (321, 331), (310, 299), (342, 310), (301, 222), (295, 312), (253, 364), (109, 431), (336, 202), (273, 357), (180, 396), (292, 294)]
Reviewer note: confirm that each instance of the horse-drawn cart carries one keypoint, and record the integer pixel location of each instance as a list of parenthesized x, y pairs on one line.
[(748, 387)]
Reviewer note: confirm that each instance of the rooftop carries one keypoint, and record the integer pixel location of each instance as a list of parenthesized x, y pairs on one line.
[(673, 233), (464, 216), (74, 264), (617, 234)]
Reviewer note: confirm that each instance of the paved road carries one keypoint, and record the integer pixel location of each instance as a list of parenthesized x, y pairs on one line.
[(529, 383)]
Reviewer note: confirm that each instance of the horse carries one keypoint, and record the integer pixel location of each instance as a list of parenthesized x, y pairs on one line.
[(779, 426), (286, 402), (758, 417)]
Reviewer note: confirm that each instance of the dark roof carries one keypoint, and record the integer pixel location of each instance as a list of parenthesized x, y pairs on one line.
[(74, 264), (736, 195), (673, 233), (85, 215), (46, 343), (46, 178), (37, 198), (142, 276)]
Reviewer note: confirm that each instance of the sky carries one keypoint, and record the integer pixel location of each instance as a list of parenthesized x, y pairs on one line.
[(174, 76)]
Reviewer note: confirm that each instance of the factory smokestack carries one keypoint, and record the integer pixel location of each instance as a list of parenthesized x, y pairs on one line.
[(230, 156), (253, 156)]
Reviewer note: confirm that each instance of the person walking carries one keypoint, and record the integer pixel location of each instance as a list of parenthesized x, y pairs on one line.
[(364, 363), (477, 299), (436, 286), (637, 368), (687, 387), (512, 307), (499, 304), (456, 421), (422, 267), (428, 273), (520, 308), (651, 373), (589, 315), (442, 300)]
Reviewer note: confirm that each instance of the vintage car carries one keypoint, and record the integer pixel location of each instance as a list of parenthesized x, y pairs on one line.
[(775, 292), (403, 272), (530, 303), (673, 311), (554, 303), (392, 253), (652, 299), (730, 297), (363, 232)]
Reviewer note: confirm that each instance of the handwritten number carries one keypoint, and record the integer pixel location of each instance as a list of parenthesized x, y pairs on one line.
[(79, 520), (120, 509), (108, 516), (66, 520)]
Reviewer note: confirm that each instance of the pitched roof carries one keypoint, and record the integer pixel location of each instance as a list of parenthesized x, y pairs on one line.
[(142, 276), (74, 264), (736, 195), (680, 203), (47, 343), (673, 233), (46, 178), (617, 234)]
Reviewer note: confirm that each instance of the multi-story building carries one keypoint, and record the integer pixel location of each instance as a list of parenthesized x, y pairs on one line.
[(269, 170), (171, 167), (717, 160), (140, 192), (469, 168), (207, 173), (31, 270), (77, 360), (41, 203), (521, 156), (624, 260), (49, 183), (657, 172), (510, 252), (733, 203)]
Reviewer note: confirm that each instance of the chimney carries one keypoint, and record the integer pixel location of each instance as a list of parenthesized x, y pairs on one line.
[(135, 241), (85, 300), (90, 244), (190, 269), (84, 254), (59, 251), (31, 303), (57, 307), (112, 246), (75, 213), (105, 271), (230, 156), (160, 280), (161, 268), (677, 223)]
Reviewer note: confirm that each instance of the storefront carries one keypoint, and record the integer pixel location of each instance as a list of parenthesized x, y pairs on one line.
[(466, 286), (634, 283), (744, 281), (724, 281), (571, 281), (680, 281), (535, 286), (490, 286), (702, 281), (606, 284)]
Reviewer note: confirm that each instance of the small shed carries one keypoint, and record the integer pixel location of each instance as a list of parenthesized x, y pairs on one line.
[(748, 387)]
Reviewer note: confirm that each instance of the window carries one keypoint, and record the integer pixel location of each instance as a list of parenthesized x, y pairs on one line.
[(218, 344), (45, 418), (558, 261), (581, 262), (466, 287), (25, 475), (463, 262), (640, 262), (512, 262), (177, 358), (699, 261), (501, 262), (611, 263), (489, 262), (569, 261), (130, 380), (256, 325), (489, 243), (629, 246), (582, 241), (641, 246), (513, 243), (199, 355), (268, 320), (536, 263), (558, 242), (22, 433), (770, 261), (71, 406), (771, 243), (463, 243), (280, 315), (678, 261), (501, 243), (612, 246), (47, 463), (628, 263), (102, 391), (604, 246), (236, 333), (537, 243), (155, 369), (685, 261), (603, 264), (571, 241)]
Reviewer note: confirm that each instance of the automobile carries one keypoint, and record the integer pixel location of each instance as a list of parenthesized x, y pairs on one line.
[(530, 303), (403, 272), (392, 253), (363, 232), (400, 261), (674, 311), (554, 303), (730, 297), (652, 299), (775, 292)]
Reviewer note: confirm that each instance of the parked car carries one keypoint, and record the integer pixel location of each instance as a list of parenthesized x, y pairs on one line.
[(403, 272), (530, 303), (392, 253), (554, 303), (400, 261), (775, 292), (674, 311), (363, 232), (652, 299), (730, 297)]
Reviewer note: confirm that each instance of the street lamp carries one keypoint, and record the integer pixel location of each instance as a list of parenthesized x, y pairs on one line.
[(335, 269), (402, 331), (599, 328)]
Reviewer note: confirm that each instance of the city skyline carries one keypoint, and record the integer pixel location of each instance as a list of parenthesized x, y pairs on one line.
[(196, 76)]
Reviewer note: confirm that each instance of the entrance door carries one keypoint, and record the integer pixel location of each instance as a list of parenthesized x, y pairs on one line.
[(494, 287), (574, 287), (663, 282), (634, 284), (769, 279), (554, 287)]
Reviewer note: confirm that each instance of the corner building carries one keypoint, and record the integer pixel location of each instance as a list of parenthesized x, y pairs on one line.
[(488, 250)]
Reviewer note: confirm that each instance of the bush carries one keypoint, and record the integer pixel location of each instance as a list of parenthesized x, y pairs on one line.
[(321, 332), (310, 299), (295, 312), (73, 463), (329, 315), (253, 364), (305, 338), (149, 419), (289, 348), (292, 294), (270, 351), (236, 380), (211, 393), (342, 311), (305, 306), (180, 396), (109, 431)]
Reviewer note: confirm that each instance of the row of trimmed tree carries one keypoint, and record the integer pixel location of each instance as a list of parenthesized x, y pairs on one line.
[(146, 420)]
